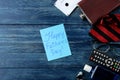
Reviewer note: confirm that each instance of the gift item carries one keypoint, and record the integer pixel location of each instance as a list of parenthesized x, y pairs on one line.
[(107, 29)]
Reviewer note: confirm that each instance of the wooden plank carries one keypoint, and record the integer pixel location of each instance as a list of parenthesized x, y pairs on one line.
[(34, 12), (41, 74), (31, 34), (21, 46), (43, 15)]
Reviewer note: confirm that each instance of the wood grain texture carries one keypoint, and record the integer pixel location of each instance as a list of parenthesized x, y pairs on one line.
[(22, 55), (33, 12)]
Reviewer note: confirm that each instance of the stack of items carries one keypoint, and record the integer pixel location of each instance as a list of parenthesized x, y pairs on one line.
[(105, 26)]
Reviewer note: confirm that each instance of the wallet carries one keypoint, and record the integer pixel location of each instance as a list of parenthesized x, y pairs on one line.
[(95, 9)]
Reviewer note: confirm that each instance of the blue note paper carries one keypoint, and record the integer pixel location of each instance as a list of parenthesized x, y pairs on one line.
[(55, 42)]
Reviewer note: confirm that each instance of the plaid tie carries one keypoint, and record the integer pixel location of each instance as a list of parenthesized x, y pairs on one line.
[(107, 29)]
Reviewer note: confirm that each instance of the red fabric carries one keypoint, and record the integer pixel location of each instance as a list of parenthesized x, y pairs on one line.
[(108, 33), (100, 38), (118, 16), (115, 28), (107, 29)]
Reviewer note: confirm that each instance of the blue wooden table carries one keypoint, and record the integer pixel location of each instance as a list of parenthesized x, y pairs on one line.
[(22, 55)]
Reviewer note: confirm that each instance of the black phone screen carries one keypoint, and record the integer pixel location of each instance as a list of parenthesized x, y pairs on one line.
[(103, 74)]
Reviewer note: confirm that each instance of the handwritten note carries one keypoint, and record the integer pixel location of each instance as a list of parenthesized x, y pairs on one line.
[(55, 42)]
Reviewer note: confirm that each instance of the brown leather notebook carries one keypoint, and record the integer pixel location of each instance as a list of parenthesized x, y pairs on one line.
[(95, 9)]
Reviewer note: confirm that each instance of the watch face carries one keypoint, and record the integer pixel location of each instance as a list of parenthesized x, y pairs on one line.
[(103, 74)]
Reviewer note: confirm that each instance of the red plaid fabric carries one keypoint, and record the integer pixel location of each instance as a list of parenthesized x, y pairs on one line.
[(107, 29)]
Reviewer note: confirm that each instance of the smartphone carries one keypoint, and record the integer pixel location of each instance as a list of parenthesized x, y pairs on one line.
[(100, 73)]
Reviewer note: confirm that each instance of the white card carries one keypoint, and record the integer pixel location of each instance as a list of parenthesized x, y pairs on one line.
[(66, 6)]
